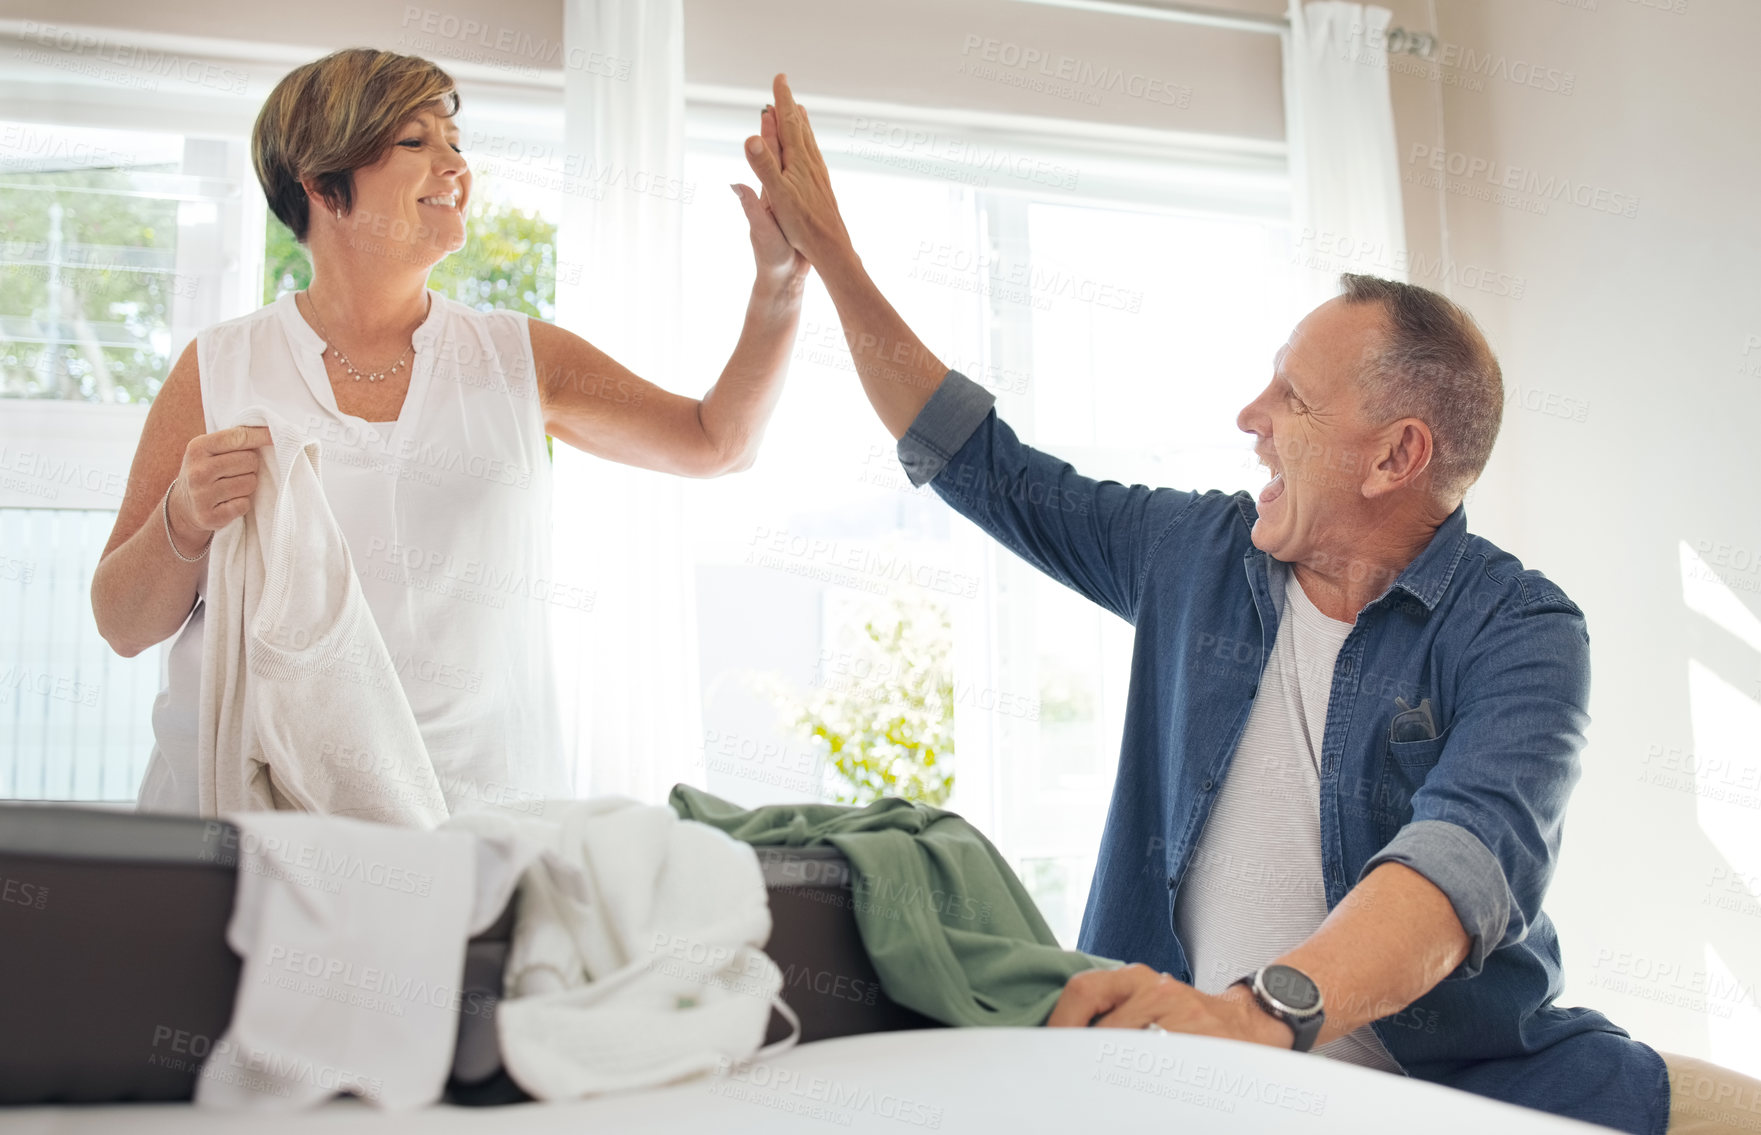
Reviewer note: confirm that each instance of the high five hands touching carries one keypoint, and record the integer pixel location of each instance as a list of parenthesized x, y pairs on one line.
[(797, 185), (898, 373), (778, 263), (779, 256)]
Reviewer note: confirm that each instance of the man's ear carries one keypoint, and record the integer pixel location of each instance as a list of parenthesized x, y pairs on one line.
[(1402, 459)]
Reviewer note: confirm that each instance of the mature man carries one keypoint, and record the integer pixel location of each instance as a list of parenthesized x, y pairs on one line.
[(1352, 727)]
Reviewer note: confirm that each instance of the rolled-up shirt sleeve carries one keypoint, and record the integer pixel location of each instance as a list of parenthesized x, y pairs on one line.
[(1095, 537), (1454, 860), (1486, 822), (950, 416)]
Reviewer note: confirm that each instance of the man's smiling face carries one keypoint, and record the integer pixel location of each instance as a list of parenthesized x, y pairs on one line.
[(1310, 432)]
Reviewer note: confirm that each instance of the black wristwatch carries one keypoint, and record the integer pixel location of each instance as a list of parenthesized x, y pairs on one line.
[(1288, 994)]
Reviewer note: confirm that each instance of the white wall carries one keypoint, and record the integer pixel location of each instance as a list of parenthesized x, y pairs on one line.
[(1635, 349)]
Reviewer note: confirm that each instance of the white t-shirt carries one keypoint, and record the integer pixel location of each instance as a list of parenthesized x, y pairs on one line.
[(447, 514), (1254, 889)]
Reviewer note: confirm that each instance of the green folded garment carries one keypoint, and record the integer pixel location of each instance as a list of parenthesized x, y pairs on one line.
[(951, 931)]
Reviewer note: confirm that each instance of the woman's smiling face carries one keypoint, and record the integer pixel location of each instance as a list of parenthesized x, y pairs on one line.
[(412, 200)]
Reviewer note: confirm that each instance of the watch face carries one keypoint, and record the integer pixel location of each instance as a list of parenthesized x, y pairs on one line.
[(1291, 988)]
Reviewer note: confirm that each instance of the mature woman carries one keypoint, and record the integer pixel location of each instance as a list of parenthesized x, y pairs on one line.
[(432, 418)]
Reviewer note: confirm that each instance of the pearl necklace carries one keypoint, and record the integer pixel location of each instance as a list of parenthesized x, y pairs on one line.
[(344, 359)]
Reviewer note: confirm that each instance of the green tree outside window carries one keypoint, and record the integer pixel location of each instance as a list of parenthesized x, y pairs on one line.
[(509, 261), (882, 711)]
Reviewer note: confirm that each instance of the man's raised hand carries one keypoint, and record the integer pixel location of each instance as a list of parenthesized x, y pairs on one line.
[(898, 372), (797, 186)]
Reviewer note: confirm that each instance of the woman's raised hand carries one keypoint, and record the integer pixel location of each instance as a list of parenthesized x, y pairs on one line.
[(778, 262), (216, 483)]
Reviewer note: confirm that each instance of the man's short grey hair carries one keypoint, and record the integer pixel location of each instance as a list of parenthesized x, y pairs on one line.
[(1433, 364)]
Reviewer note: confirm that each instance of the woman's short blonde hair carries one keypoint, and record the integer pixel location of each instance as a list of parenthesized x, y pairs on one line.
[(332, 116)]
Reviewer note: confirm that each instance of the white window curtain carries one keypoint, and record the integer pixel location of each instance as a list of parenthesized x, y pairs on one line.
[(627, 674), (1344, 163)]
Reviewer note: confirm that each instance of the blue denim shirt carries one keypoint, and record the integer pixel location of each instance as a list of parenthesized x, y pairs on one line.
[(1501, 654)]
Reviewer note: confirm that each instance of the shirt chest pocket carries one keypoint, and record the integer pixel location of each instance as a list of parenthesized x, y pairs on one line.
[(1405, 765)]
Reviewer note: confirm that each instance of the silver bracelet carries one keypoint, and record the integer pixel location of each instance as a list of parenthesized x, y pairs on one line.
[(165, 512)]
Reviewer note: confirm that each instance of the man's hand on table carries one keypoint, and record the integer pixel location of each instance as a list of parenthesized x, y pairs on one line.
[(1136, 995)]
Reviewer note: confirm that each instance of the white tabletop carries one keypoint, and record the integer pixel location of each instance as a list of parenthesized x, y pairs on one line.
[(948, 1080)]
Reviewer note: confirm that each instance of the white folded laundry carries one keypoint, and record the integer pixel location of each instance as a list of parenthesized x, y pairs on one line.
[(353, 939), (639, 962)]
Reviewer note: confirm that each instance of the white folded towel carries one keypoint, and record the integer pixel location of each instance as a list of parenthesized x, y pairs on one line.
[(353, 939), (638, 964), (301, 707)]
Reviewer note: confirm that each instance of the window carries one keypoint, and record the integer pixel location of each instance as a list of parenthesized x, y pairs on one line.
[(1142, 384), (1122, 307), (115, 246), (1122, 335)]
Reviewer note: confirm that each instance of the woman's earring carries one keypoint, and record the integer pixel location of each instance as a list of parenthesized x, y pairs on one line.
[(339, 214)]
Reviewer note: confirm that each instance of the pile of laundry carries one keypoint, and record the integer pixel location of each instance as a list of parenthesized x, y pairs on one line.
[(636, 955)]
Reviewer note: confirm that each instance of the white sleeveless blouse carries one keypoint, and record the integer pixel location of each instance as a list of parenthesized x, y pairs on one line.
[(447, 515)]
